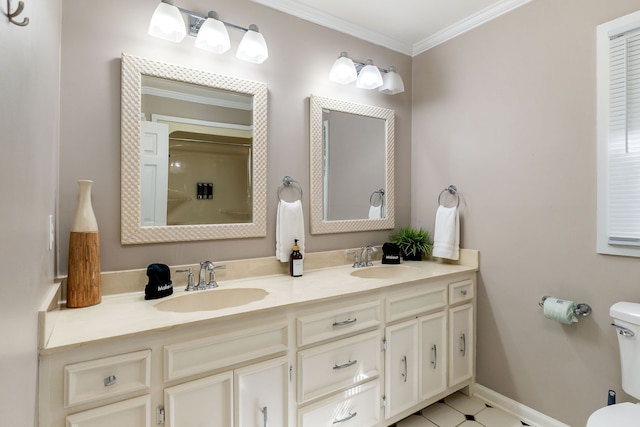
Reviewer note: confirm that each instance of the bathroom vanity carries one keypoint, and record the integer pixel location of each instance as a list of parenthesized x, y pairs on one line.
[(338, 346)]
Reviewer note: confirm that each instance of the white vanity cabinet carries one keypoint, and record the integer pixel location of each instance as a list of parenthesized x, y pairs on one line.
[(261, 392), (366, 358), (429, 344), (461, 332), (218, 374), (207, 402), (249, 395), (402, 367), (339, 362), (415, 349), (252, 396)]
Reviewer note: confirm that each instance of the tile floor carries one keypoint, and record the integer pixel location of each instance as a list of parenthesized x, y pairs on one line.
[(463, 411)]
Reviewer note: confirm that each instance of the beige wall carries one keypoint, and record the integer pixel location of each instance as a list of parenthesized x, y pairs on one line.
[(301, 55), (29, 76), (507, 113)]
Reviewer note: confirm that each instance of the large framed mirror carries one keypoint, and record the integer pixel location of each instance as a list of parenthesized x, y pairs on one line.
[(352, 166), (194, 154)]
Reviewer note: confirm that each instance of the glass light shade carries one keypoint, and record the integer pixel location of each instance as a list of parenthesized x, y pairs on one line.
[(343, 70), (369, 77), (167, 23), (392, 82), (252, 47), (213, 36)]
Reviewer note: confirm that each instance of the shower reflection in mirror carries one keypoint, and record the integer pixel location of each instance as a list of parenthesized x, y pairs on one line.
[(180, 154)]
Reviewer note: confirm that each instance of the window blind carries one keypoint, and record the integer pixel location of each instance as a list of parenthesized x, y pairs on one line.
[(624, 139)]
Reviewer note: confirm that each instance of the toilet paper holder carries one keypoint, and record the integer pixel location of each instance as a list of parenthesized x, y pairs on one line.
[(581, 309)]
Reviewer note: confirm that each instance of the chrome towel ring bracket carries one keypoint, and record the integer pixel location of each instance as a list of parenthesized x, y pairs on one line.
[(288, 182), (377, 198), (453, 191)]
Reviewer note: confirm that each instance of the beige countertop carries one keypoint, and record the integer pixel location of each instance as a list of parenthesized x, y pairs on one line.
[(129, 313)]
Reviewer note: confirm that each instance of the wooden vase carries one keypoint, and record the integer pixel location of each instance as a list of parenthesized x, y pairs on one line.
[(83, 277)]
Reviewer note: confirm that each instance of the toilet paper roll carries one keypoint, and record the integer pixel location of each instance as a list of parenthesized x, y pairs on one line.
[(560, 310)]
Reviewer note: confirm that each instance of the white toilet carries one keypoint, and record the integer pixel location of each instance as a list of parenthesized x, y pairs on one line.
[(626, 320)]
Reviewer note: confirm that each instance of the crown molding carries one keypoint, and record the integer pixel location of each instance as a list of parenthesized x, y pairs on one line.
[(324, 19), (469, 23)]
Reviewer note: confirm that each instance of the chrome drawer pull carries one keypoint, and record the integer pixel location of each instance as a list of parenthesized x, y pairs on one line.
[(405, 373), (463, 348), (347, 418), (110, 380), (463, 292), (434, 361), (345, 322), (345, 365)]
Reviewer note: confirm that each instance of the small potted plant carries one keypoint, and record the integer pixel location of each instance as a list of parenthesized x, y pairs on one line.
[(413, 243)]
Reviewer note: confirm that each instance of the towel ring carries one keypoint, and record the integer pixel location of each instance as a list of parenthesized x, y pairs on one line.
[(451, 190), (377, 198), (287, 182)]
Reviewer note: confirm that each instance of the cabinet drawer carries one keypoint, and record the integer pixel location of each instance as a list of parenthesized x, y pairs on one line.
[(356, 407), (107, 377), (337, 323), (208, 354), (330, 367), (460, 291), (412, 303), (129, 413)]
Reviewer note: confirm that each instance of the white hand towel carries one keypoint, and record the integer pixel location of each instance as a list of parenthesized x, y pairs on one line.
[(375, 212), (289, 226), (446, 235)]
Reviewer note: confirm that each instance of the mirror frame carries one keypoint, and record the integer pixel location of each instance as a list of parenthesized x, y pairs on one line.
[(131, 231), (318, 224)]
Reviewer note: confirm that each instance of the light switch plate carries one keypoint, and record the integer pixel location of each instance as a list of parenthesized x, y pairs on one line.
[(51, 232)]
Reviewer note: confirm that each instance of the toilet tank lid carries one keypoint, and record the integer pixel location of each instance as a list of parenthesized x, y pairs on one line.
[(627, 311)]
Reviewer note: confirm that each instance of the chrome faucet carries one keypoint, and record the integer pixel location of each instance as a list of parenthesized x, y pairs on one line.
[(190, 284), (204, 266), (207, 266), (365, 256), (356, 258), (362, 259)]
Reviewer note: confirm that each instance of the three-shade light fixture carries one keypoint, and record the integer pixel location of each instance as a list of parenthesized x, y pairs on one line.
[(366, 75), (210, 32)]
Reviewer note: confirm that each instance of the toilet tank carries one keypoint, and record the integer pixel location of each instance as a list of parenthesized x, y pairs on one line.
[(626, 316)]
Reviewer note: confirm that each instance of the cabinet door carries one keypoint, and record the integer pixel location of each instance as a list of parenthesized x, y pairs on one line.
[(461, 344), (207, 402), (433, 344), (129, 413), (261, 394), (401, 367)]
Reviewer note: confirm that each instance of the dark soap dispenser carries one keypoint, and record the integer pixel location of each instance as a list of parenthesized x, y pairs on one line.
[(295, 261)]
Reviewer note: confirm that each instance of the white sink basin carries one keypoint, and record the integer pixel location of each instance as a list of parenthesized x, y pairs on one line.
[(386, 272), (214, 299)]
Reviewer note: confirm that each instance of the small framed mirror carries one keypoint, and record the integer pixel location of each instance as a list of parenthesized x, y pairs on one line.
[(352, 166), (193, 153)]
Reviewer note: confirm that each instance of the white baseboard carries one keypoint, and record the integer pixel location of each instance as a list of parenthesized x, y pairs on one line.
[(526, 414)]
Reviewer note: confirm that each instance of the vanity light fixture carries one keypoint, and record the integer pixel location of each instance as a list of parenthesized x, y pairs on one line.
[(369, 77), (391, 82), (213, 36), (366, 75), (211, 33)]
